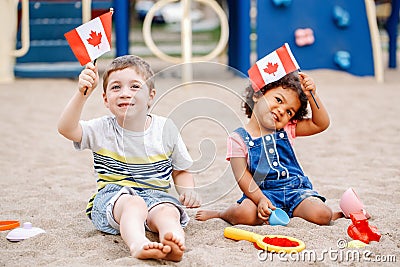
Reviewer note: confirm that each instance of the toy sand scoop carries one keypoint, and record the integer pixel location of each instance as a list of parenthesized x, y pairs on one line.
[(271, 243)]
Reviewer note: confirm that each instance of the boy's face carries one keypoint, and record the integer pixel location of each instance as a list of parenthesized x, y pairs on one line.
[(276, 108), (127, 95)]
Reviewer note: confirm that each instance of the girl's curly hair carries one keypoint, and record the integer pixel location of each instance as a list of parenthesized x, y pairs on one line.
[(290, 81)]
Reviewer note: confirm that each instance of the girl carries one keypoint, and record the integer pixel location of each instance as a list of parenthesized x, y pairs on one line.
[(262, 158)]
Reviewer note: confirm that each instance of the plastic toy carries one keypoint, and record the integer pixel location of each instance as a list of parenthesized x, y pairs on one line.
[(341, 17), (24, 232), (278, 217), (8, 225), (342, 59), (356, 244), (304, 37), (271, 243), (361, 230), (350, 203), (282, 3)]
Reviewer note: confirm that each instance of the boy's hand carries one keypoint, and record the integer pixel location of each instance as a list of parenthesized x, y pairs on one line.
[(190, 199), (88, 79), (263, 209), (307, 84)]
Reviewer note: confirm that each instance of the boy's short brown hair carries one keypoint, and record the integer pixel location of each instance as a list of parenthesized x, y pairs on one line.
[(130, 61)]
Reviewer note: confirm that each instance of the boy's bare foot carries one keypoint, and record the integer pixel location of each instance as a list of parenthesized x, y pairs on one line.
[(151, 250), (177, 247), (204, 215)]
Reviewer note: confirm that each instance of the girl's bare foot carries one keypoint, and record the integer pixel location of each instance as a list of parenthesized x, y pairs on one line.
[(204, 215), (337, 215), (151, 250), (177, 247)]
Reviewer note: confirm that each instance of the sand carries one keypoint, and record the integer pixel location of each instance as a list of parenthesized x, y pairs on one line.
[(46, 182)]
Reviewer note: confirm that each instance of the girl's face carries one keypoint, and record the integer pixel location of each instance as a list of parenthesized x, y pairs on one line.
[(276, 108), (127, 95)]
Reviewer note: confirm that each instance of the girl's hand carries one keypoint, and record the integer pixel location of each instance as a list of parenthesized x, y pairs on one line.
[(88, 79), (307, 84), (263, 209), (190, 199)]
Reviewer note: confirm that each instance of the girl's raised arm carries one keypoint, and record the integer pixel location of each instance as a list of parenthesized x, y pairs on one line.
[(319, 120)]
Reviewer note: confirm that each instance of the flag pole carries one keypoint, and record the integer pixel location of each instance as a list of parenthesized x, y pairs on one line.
[(313, 97)]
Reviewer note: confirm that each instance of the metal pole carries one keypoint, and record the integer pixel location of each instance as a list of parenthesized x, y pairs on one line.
[(239, 37), (186, 42), (86, 10), (121, 21)]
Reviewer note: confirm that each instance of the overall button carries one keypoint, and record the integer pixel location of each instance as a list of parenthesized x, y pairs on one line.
[(275, 163), (281, 135), (268, 138), (271, 150), (251, 143), (283, 173)]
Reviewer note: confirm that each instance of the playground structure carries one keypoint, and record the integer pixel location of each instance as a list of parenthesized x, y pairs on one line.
[(186, 35), (38, 49), (334, 34)]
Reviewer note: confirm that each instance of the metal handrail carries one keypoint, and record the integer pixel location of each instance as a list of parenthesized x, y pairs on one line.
[(25, 33), (86, 10)]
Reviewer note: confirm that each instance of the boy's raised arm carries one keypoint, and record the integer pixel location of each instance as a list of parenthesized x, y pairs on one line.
[(68, 124)]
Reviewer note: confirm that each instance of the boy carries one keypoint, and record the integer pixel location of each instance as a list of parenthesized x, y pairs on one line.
[(135, 156)]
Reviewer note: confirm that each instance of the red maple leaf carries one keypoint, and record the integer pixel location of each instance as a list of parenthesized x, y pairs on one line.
[(271, 68), (95, 39)]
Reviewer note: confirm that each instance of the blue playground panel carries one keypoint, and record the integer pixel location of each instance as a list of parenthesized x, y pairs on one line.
[(344, 33), (49, 55), (276, 25)]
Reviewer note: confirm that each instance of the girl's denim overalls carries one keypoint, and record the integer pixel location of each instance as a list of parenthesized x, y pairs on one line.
[(273, 164)]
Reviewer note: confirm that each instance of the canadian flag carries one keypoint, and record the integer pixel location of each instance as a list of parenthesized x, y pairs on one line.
[(272, 67), (92, 39)]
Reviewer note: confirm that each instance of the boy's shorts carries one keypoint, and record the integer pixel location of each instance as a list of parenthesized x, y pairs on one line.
[(102, 211)]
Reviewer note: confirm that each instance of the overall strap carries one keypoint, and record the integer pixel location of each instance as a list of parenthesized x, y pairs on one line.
[(244, 134)]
